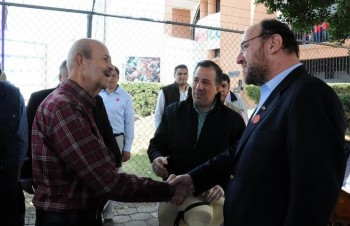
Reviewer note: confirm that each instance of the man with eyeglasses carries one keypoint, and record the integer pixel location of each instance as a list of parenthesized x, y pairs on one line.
[(289, 165)]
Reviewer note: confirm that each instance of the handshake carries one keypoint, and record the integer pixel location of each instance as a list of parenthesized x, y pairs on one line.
[(183, 188), (182, 183)]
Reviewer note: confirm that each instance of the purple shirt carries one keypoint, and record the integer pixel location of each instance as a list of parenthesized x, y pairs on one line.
[(72, 167)]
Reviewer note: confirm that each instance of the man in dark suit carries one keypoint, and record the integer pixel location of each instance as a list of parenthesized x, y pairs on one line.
[(102, 122), (288, 167), (13, 148)]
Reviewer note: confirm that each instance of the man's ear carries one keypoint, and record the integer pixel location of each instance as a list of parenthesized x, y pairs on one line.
[(218, 88), (78, 60), (275, 44)]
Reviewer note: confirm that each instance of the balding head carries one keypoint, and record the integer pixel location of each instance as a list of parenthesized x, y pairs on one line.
[(89, 65), (82, 46)]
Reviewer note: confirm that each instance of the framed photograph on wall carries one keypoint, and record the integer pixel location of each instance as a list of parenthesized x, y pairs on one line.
[(145, 69)]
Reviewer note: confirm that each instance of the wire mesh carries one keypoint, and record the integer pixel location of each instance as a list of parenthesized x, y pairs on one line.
[(36, 40)]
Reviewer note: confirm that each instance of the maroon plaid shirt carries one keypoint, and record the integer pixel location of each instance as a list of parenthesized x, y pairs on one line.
[(72, 167)]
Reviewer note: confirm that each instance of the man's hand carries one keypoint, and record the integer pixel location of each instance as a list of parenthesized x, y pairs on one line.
[(214, 194), (184, 179), (126, 156), (182, 191), (158, 167)]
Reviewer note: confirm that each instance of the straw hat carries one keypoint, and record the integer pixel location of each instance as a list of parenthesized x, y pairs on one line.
[(200, 214)]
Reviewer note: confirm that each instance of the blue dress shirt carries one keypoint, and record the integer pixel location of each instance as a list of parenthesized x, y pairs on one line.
[(120, 113)]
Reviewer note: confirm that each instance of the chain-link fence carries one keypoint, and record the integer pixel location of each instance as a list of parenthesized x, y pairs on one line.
[(35, 40)]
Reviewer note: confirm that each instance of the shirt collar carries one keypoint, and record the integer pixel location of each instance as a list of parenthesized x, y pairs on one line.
[(78, 92), (116, 91), (204, 113), (267, 88), (273, 83)]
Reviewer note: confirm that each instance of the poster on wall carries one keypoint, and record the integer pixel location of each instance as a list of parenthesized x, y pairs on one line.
[(145, 69)]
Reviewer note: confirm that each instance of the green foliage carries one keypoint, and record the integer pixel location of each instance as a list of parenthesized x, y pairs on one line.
[(343, 92), (345, 99), (140, 165), (341, 89), (253, 92), (302, 15), (144, 96)]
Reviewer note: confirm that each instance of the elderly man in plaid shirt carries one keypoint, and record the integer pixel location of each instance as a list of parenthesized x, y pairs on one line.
[(73, 170)]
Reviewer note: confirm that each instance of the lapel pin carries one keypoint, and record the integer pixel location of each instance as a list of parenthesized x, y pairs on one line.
[(256, 119), (263, 108)]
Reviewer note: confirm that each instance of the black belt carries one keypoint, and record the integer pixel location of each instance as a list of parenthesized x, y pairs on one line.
[(118, 134)]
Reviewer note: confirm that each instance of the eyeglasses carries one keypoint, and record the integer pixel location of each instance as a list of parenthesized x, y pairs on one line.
[(244, 45)]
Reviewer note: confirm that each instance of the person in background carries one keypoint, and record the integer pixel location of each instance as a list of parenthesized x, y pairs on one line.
[(191, 132), (70, 158), (317, 32), (120, 112), (13, 146), (289, 164), (178, 91), (231, 100), (325, 28)]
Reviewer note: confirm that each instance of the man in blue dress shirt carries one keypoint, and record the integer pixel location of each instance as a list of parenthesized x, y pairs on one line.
[(120, 112)]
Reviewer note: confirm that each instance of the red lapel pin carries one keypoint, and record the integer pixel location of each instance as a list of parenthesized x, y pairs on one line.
[(256, 119)]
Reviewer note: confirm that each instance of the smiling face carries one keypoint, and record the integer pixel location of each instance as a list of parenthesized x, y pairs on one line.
[(204, 87), (252, 57)]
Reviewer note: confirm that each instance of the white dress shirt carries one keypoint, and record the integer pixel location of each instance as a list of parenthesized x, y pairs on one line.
[(161, 102)]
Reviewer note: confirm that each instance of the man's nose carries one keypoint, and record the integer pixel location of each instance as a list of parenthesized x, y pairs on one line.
[(199, 85), (240, 58)]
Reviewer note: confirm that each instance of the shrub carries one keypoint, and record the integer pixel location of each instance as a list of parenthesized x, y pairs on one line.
[(253, 92), (343, 92), (144, 96), (345, 99)]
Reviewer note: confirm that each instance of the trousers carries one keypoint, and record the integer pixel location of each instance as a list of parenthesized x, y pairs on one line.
[(81, 218)]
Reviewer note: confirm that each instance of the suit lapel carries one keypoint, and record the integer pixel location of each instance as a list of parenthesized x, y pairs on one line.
[(269, 104)]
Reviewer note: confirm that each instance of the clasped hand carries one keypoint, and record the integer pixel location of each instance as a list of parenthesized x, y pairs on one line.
[(183, 188)]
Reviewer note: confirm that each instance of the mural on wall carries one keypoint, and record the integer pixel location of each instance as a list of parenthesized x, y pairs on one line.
[(145, 69), (209, 38)]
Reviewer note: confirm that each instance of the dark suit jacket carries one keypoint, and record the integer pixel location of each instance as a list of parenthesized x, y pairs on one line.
[(289, 165), (102, 122)]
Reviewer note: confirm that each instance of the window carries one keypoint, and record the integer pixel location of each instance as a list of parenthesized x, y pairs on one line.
[(217, 6)]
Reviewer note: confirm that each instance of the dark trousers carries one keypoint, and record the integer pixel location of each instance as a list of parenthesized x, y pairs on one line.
[(11, 198), (81, 218)]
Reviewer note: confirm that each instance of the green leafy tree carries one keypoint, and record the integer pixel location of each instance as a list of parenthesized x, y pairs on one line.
[(303, 14)]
